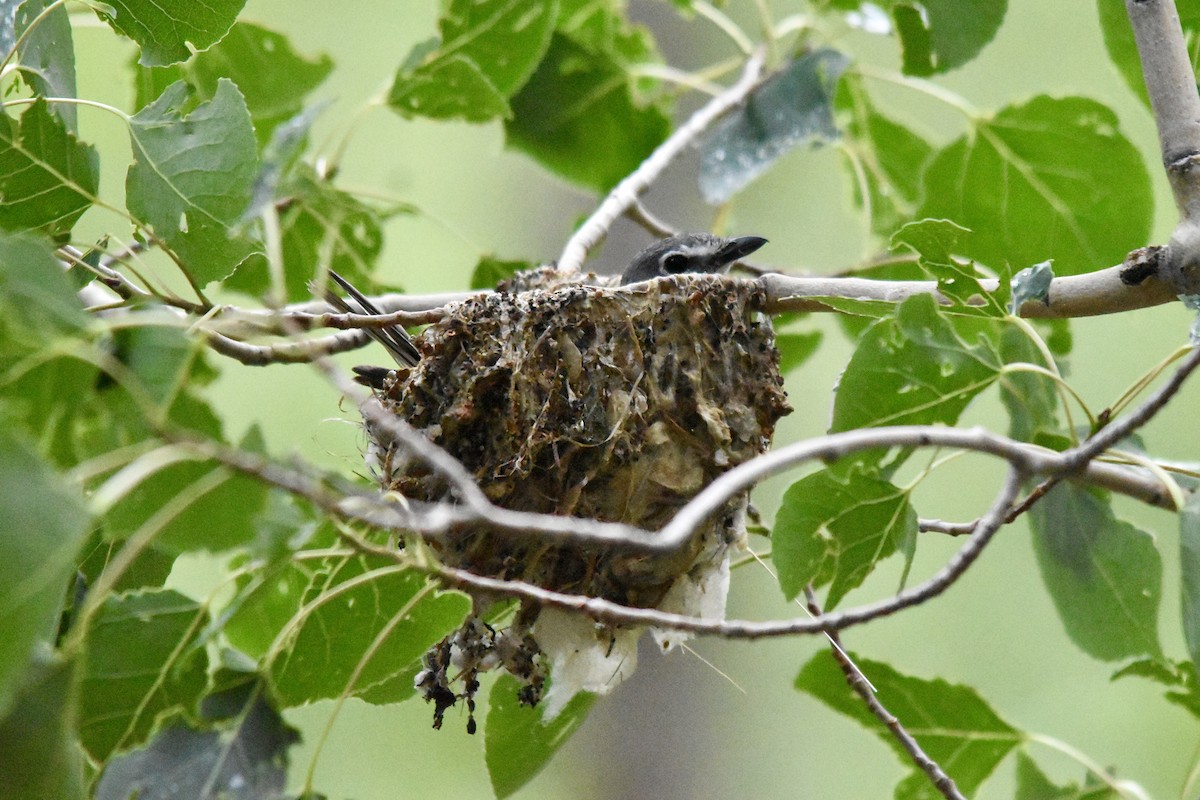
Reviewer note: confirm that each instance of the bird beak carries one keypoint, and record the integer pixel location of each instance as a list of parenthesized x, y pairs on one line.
[(736, 249)]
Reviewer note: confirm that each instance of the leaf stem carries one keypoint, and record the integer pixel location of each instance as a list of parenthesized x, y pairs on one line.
[(952, 99), (727, 26)]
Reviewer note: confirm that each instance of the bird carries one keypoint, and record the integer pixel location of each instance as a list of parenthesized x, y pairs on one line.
[(688, 252), (674, 255), (393, 337)]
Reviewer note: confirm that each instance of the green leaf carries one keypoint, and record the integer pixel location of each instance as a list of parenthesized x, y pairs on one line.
[(951, 722), (1189, 567), (833, 529), (273, 78), (192, 177), (518, 741), (935, 242), (169, 32), (1104, 575), (143, 660), (1032, 784), (488, 50), (268, 598), (915, 368), (46, 54), (323, 227), (1030, 398), (489, 272), (37, 735), (376, 621), (1122, 50), (244, 759), (199, 505), (1050, 179), (795, 348), (44, 522), (793, 107), (938, 35), (48, 178), (577, 116), (150, 569), (37, 302), (888, 157), (1183, 688), (158, 357)]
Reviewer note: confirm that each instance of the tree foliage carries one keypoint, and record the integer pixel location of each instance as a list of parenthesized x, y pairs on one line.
[(116, 464)]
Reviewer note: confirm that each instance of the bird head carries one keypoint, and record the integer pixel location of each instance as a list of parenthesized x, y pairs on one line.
[(689, 252)]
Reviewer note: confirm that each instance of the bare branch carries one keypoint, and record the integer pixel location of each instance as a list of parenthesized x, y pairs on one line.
[(607, 611), (241, 323), (626, 193), (1107, 291), (862, 687), (1026, 457), (1171, 85), (292, 351), (1127, 424)]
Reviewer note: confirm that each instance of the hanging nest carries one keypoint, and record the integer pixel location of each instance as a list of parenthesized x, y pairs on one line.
[(564, 396)]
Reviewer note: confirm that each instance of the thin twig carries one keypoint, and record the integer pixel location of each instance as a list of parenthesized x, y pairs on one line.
[(613, 613), (301, 351), (862, 687), (633, 185)]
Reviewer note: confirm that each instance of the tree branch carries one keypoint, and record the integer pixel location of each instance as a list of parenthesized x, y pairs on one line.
[(626, 193), (613, 613), (1171, 85), (1106, 291), (862, 687)]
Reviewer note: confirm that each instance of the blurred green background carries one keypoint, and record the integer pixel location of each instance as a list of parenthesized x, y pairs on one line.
[(723, 721)]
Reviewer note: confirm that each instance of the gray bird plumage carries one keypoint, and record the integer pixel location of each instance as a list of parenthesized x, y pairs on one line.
[(688, 252)]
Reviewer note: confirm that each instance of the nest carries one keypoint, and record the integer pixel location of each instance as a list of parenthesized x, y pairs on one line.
[(566, 397)]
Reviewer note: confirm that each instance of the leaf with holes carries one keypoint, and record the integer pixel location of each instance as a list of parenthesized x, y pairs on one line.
[(192, 177), (833, 529), (488, 49), (936, 243), (143, 659), (917, 367)]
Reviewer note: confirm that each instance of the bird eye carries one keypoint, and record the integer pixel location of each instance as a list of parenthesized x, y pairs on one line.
[(675, 263)]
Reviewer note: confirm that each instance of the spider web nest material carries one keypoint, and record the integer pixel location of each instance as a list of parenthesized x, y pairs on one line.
[(564, 396)]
